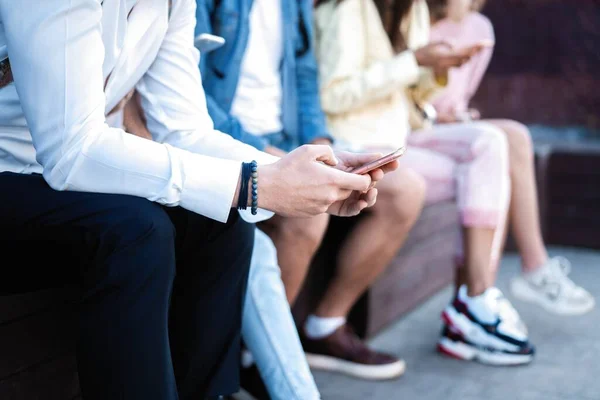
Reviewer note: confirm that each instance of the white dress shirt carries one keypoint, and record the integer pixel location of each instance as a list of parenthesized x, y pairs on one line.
[(259, 93), (73, 61)]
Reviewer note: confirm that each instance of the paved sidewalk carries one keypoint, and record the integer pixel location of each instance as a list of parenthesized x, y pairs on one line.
[(567, 365)]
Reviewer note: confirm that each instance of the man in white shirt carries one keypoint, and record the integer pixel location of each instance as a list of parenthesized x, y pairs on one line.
[(140, 221)]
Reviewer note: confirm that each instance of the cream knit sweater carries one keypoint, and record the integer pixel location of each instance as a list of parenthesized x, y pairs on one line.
[(365, 86)]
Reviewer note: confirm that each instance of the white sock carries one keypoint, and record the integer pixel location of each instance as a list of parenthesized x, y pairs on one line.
[(320, 327)]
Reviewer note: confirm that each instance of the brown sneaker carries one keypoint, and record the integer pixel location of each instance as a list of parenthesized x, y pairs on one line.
[(343, 351)]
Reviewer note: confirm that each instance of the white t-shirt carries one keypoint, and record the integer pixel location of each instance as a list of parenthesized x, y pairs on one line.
[(258, 99)]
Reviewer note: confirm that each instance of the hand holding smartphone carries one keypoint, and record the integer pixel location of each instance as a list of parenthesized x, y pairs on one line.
[(380, 162)]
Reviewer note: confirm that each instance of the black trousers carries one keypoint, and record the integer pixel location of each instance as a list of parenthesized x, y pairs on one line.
[(162, 288)]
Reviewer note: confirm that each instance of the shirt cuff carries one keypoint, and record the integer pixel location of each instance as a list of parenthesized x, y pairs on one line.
[(263, 158), (209, 184), (262, 215)]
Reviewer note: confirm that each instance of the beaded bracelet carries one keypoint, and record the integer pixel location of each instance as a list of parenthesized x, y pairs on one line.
[(243, 196), (254, 168), (249, 172)]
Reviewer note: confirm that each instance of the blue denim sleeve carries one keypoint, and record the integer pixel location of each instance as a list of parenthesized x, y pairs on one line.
[(222, 120), (311, 117)]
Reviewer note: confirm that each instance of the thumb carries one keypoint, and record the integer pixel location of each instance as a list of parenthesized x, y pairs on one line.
[(442, 43), (324, 154)]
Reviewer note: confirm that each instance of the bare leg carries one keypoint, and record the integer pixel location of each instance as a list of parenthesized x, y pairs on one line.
[(482, 191), (374, 241), (296, 240), (460, 277), (478, 249), (524, 212)]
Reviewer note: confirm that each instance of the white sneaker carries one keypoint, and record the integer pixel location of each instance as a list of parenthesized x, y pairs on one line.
[(503, 307), (551, 288), (474, 330)]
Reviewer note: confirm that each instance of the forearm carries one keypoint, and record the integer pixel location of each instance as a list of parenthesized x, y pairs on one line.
[(347, 93)]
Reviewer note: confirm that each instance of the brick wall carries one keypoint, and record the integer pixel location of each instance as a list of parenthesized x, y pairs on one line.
[(546, 64)]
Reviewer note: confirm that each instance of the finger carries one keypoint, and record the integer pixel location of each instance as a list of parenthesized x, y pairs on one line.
[(373, 184), (355, 207), (346, 180), (458, 60), (479, 47), (376, 175), (454, 58), (360, 205), (390, 167), (357, 159), (443, 43), (370, 197), (323, 154), (343, 194)]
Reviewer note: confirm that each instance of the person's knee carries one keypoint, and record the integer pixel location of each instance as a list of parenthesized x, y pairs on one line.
[(142, 232), (494, 143), (404, 203), (308, 232), (494, 136), (142, 218), (519, 141)]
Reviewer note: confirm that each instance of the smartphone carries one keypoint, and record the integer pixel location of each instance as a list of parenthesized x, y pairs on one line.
[(380, 162), (205, 42)]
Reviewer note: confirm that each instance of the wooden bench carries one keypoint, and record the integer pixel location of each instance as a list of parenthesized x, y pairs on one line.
[(571, 185)]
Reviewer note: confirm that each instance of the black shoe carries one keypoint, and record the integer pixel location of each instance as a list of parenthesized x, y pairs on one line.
[(252, 383)]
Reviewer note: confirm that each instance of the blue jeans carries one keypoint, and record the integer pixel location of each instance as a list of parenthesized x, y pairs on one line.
[(269, 331)]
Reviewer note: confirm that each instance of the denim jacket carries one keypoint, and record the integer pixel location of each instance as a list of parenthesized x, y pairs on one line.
[(302, 116)]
